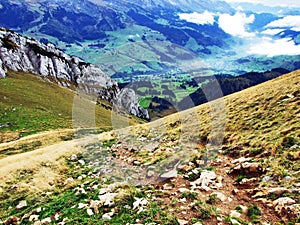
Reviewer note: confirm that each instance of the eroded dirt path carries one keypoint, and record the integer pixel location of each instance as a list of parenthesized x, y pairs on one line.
[(49, 154)]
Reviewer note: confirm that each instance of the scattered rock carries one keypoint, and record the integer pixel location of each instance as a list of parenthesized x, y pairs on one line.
[(137, 163), (21, 205), (183, 222), (150, 173), (220, 196), (234, 222), (11, 221), (241, 160), (95, 205), (182, 190), (56, 217), (247, 181), (267, 179), (247, 168), (89, 212), (206, 181), (68, 181), (64, 221), (107, 199), (33, 218), (244, 208), (262, 192), (235, 214), (167, 187), (169, 175), (46, 220), (235, 191), (81, 162), (107, 216), (291, 211), (82, 205), (139, 202), (80, 191), (219, 219), (73, 157), (284, 201)]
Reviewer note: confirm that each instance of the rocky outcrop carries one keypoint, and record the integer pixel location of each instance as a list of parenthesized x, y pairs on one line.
[(20, 53), (127, 100)]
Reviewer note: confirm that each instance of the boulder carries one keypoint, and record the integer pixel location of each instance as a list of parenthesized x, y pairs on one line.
[(206, 181), (284, 201), (21, 205)]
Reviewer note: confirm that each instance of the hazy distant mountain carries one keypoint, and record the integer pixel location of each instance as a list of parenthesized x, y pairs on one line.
[(130, 38)]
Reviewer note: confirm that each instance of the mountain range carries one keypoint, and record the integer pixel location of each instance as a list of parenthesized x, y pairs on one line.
[(129, 39)]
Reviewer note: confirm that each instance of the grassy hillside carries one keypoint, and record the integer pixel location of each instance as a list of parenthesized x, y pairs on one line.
[(255, 171), (29, 104)]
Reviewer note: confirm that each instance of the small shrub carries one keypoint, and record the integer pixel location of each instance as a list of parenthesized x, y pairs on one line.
[(171, 220), (204, 213), (239, 209), (253, 211), (109, 143), (212, 199), (288, 141), (239, 178), (189, 195)]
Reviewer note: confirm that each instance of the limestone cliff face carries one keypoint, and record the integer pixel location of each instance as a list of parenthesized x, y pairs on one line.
[(127, 100), (20, 53)]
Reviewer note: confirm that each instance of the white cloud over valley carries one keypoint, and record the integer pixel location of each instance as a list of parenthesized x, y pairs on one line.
[(270, 47), (292, 22), (202, 19), (272, 31), (236, 24), (284, 3)]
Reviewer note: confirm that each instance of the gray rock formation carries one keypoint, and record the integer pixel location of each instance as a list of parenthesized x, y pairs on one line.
[(20, 53), (127, 101)]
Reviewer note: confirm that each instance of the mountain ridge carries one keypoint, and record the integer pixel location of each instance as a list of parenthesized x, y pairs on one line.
[(19, 53), (108, 27)]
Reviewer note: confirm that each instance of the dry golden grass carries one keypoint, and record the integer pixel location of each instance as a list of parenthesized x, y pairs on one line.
[(258, 121), (45, 166)]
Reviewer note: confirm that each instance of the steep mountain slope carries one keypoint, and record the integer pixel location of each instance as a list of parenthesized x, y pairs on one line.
[(232, 161), (154, 37), (24, 54), (31, 104), (229, 84)]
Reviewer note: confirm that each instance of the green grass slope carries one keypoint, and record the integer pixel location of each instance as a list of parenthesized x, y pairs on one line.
[(262, 123), (29, 104)]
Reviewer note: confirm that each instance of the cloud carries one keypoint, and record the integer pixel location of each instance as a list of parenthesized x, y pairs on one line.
[(236, 24), (272, 31), (270, 47), (98, 2), (284, 3), (204, 18), (292, 22)]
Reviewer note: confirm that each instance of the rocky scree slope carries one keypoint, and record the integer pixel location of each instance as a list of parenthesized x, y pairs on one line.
[(252, 179), (20, 53)]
